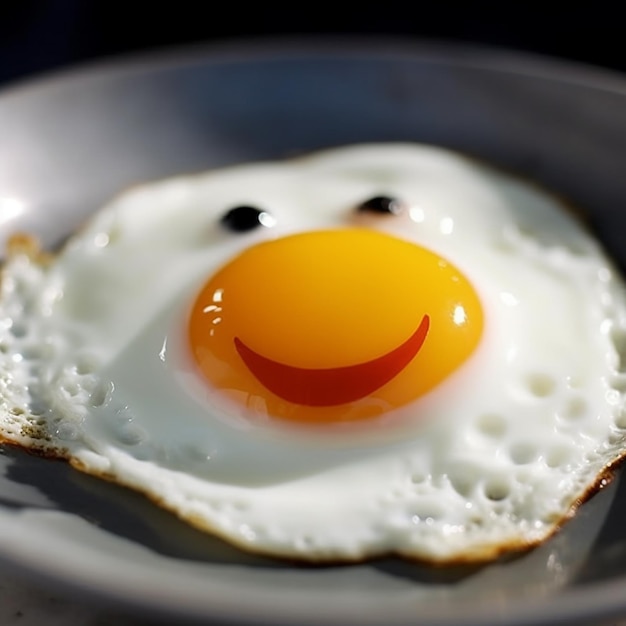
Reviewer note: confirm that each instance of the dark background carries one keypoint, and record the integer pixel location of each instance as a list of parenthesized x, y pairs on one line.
[(41, 35)]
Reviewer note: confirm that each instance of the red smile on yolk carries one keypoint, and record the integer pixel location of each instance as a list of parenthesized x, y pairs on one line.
[(320, 327), (332, 385)]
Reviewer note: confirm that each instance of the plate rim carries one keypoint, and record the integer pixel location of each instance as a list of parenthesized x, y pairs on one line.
[(261, 48)]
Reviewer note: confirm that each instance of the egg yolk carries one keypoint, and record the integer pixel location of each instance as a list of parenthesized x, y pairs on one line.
[(333, 326)]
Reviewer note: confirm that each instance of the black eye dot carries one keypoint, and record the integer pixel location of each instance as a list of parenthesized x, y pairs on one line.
[(243, 218), (381, 204)]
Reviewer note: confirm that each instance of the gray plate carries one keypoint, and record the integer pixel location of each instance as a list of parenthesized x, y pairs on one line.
[(69, 142)]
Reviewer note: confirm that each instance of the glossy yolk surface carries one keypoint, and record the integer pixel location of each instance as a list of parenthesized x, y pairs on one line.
[(333, 326)]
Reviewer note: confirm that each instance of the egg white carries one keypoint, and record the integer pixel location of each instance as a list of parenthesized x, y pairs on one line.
[(94, 367)]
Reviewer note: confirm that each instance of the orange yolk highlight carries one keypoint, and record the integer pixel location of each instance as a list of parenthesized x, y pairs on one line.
[(333, 326)]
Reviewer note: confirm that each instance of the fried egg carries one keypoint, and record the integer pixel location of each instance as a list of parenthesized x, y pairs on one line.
[(372, 350)]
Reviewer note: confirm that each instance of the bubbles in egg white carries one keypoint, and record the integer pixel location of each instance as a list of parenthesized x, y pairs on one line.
[(94, 366)]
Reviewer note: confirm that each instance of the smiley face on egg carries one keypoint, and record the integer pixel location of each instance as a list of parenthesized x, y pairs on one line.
[(377, 349), (334, 325)]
